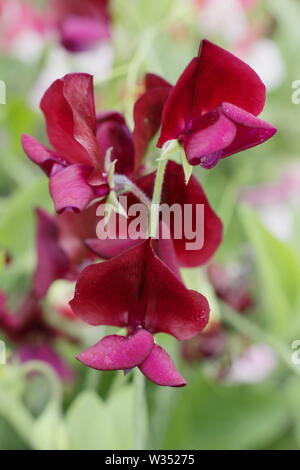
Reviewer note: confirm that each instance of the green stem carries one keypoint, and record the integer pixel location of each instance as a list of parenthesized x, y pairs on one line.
[(17, 415), (160, 173), (249, 329), (141, 416)]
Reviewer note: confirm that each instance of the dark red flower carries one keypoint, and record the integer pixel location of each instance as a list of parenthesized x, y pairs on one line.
[(81, 24), (76, 166), (212, 110), (27, 323), (28, 329), (175, 191), (61, 252), (46, 353), (208, 344), (147, 113), (139, 292), (231, 286)]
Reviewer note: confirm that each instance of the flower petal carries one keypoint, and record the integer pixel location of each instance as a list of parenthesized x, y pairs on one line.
[(137, 288), (206, 225), (251, 130), (209, 135), (69, 188), (112, 131), (52, 262), (155, 81), (69, 109), (195, 235), (109, 248), (160, 369), (46, 354), (80, 34), (116, 352), (39, 154), (214, 77), (147, 118)]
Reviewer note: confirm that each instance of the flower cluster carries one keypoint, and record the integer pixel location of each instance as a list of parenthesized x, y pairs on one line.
[(95, 158)]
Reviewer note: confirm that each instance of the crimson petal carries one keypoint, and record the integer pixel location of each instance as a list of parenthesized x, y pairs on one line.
[(160, 369), (214, 77), (116, 352), (137, 288), (39, 154), (175, 191), (69, 188), (68, 106), (148, 111), (208, 136), (113, 132), (109, 248), (222, 132), (251, 130), (52, 262)]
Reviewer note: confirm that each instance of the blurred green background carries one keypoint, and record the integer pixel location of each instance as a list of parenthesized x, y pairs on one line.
[(97, 410)]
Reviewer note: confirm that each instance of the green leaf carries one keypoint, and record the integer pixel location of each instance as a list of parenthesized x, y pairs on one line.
[(48, 431), (279, 273), (214, 416), (93, 424), (9, 439), (17, 222)]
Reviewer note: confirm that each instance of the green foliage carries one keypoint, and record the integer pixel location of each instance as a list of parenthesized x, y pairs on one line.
[(278, 269), (93, 424), (215, 416)]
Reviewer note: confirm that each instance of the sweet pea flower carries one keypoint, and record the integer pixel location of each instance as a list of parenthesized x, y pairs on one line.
[(23, 29), (61, 251), (231, 285), (174, 192), (80, 138), (212, 110), (81, 25), (138, 291), (207, 345), (28, 329)]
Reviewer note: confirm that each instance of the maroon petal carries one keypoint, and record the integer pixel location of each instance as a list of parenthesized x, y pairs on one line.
[(118, 352), (39, 154), (69, 109), (192, 248), (160, 369), (47, 354), (209, 228), (109, 248), (112, 132), (155, 81), (147, 117), (222, 132), (80, 34), (178, 108), (74, 229), (250, 130), (81, 24), (137, 288), (52, 262), (208, 136), (214, 77), (69, 188)]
